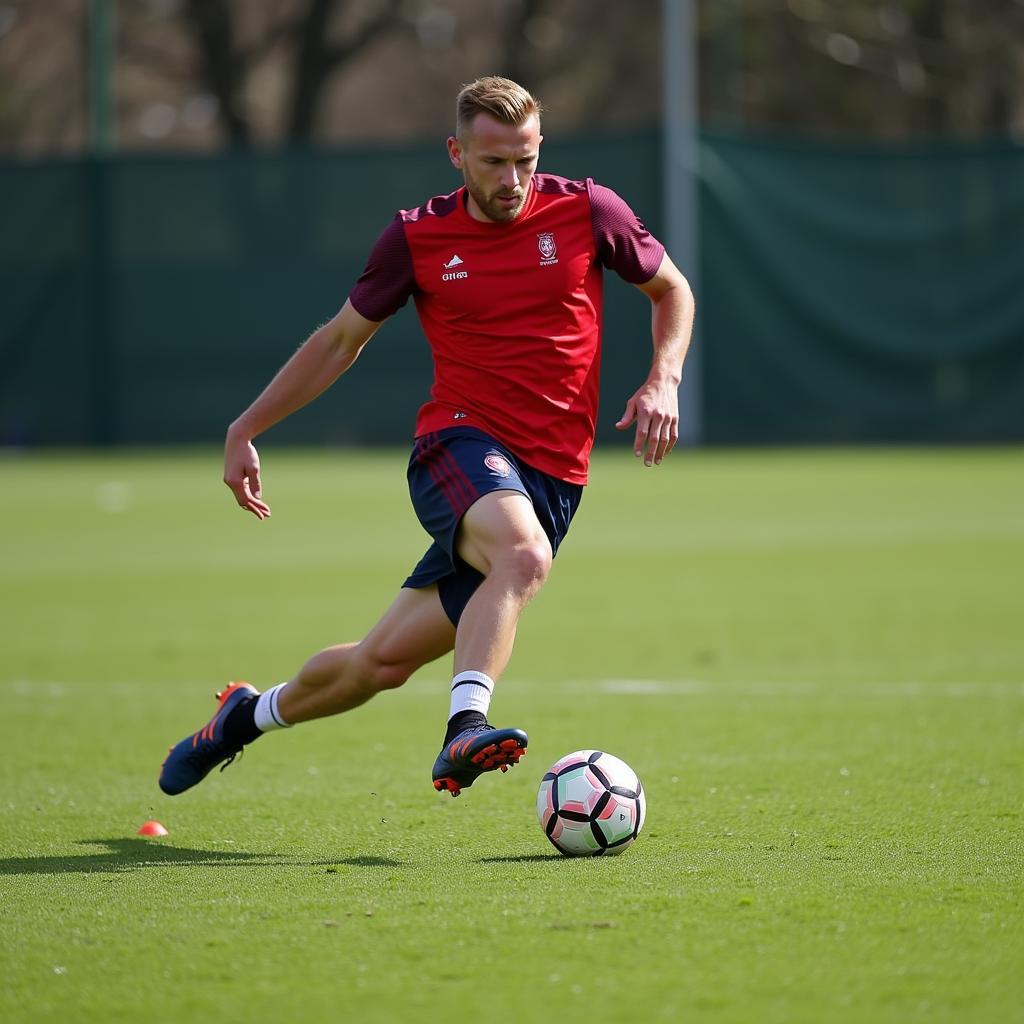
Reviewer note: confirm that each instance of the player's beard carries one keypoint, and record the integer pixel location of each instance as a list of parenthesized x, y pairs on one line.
[(491, 205)]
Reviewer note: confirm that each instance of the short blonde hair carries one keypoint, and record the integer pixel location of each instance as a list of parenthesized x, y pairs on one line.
[(503, 99)]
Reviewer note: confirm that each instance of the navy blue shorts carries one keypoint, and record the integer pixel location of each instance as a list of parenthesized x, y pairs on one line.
[(448, 471)]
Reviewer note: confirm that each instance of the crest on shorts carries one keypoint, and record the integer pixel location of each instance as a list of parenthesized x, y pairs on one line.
[(497, 464), (547, 247)]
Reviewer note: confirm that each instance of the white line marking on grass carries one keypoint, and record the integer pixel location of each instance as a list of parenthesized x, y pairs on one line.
[(433, 688), (689, 687), (54, 689), (788, 534), (35, 688), (652, 686)]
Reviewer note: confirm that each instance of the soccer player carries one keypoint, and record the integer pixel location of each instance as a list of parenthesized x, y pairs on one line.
[(506, 274)]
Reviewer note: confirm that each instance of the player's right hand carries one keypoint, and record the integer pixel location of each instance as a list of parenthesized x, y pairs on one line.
[(242, 475)]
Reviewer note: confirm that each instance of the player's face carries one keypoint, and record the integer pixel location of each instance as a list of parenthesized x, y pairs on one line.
[(497, 162)]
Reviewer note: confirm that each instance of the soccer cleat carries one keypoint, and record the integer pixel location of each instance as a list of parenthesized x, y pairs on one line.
[(475, 751), (191, 760)]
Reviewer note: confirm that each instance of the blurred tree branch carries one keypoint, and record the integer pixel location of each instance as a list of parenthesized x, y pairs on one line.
[(516, 63), (200, 73), (222, 68), (317, 58), (225, 66)]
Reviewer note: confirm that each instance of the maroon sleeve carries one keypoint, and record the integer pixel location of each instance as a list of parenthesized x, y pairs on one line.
[(387, 282), (623, 243)]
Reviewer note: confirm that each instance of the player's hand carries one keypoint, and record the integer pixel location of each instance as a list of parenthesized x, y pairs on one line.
[(655, 411), (242, 475)]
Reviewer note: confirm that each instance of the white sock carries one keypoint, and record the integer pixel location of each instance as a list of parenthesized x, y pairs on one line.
[(267, 715), (471, 691)]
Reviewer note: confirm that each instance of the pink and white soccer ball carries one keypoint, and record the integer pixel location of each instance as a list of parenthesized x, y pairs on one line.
[(591, 804)]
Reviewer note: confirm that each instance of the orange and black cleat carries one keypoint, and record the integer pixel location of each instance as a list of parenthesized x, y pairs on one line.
[(191, 760), (475, 751)]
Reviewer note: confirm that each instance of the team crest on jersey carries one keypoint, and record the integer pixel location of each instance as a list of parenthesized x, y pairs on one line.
[(547, 247), (497, 464)]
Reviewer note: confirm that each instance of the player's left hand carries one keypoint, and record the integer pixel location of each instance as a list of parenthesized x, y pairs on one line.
[(655, 410), (242, 474)]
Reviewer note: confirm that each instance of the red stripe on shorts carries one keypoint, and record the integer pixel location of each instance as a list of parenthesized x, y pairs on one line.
[(460, 479), (449, 477)]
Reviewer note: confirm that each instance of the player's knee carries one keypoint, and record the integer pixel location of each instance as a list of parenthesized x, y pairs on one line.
[(528, 565), (391, 676)]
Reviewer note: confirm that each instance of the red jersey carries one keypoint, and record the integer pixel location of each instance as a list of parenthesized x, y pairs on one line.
[(512, 311)]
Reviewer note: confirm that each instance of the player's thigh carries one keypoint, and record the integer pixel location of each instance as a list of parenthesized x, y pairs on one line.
[(415, 630), (498, 523)]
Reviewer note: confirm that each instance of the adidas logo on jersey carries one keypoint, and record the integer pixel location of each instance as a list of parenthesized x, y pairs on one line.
[(451, 273)]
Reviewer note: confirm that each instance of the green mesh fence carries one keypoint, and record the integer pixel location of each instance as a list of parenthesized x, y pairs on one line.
[(148, 300), (853, 294), (845, 294)]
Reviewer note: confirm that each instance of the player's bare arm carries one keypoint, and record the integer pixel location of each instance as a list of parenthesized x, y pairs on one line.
[(319, 362), (654, 407)]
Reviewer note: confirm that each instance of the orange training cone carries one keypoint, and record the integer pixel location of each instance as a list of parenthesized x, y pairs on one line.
[(152, 828)]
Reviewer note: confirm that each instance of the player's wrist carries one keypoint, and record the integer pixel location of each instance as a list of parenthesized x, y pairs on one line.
[(239, 431), (665, 377)]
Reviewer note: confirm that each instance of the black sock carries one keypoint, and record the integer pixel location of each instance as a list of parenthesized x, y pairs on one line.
[(462, 720), (240, 725)]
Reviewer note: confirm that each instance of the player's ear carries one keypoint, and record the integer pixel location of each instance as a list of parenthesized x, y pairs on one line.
[(455, 152)]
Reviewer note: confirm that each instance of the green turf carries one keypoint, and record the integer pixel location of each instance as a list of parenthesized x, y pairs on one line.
[(813, 659)]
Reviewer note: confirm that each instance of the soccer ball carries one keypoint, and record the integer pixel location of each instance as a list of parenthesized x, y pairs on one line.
[(591, 803)]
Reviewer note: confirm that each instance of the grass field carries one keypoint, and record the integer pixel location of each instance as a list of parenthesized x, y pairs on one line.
[(813, 659)]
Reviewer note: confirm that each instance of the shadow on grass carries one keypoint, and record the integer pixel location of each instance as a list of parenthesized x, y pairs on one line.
[(131, 854), (360, 862), (525, 858)]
